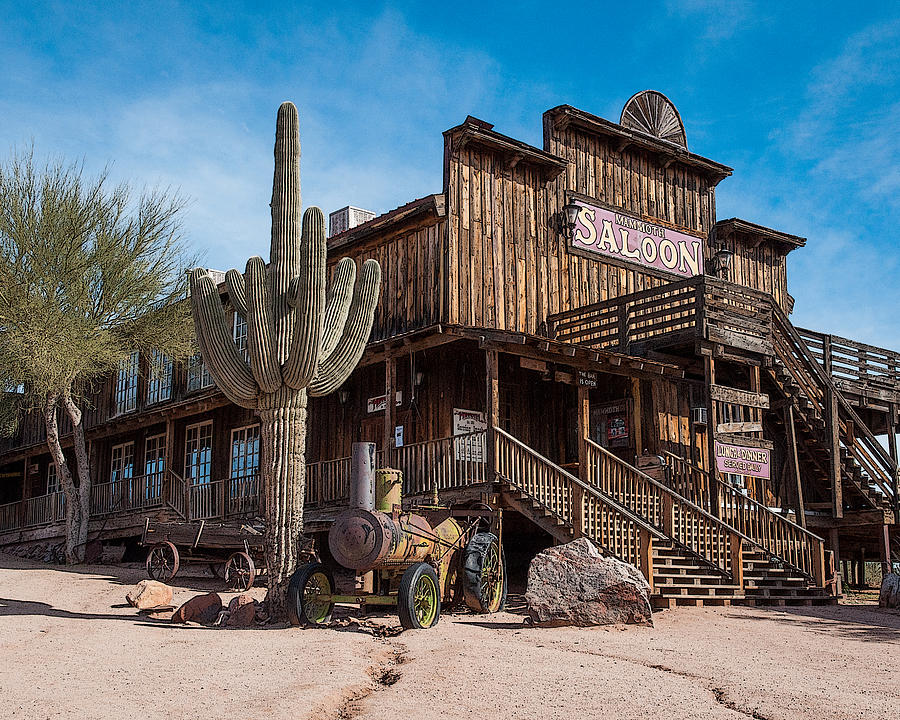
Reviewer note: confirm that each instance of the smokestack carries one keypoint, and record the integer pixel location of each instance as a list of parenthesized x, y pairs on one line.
[(362, 476)]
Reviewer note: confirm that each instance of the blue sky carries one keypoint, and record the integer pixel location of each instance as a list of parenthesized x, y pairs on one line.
[(801, 99)]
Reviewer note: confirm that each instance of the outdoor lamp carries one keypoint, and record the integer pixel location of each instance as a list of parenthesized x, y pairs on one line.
[(570, 212), (721, 261)]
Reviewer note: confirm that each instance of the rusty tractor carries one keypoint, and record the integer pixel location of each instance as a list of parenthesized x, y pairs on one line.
[(412, 560)]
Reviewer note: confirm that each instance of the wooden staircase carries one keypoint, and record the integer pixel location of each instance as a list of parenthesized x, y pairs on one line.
[(867, 473), (689, 556)]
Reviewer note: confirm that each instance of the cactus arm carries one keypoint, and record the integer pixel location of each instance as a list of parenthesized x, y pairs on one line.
[(337, 304), (307, 292), (337, 366), (225, 364), (237, 295), (260, 345), (285, 248)]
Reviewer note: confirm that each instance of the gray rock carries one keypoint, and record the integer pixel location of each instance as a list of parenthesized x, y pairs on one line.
[(574, 584), (889, 597)]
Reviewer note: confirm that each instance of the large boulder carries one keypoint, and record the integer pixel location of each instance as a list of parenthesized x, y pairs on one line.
[(574, 584), (889, 597), (149, 594), (241, 611), (203, 609)]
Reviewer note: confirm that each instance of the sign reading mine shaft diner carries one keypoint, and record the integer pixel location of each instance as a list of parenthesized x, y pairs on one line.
[(614, 234), (742, 460)]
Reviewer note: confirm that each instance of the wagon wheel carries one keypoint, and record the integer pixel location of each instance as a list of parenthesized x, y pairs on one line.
[(484, 574), (419, 600), (305, 605), (240, 572), (163, 561)]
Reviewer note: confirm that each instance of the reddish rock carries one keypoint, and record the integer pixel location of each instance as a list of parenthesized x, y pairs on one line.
[(574, 584), (241, 611), (149, 594), (203, 609)]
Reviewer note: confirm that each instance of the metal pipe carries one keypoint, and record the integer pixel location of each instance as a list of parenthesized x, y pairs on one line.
[(362, 476)]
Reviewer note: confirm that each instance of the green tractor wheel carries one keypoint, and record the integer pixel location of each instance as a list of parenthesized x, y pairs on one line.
[(484, 574), (419, 598), (305, 603)]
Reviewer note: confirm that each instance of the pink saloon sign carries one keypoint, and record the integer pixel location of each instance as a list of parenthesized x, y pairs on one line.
[(614, 234), (742, 460)]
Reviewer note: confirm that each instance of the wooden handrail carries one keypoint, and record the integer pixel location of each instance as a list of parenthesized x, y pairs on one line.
[(777, 535), (873, 457), (590, 511), (686, 523)]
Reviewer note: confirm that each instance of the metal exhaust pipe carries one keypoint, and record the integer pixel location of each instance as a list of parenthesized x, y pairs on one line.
[(362, 476)]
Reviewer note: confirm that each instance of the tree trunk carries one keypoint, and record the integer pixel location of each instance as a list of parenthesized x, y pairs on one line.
[(282, 417), (84, 472), (74, 514)]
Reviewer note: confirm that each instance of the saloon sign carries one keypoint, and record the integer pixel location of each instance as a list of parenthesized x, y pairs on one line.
[(614, 234), (742, 460)]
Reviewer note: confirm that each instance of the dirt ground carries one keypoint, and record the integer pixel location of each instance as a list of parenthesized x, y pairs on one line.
[(68, 648)]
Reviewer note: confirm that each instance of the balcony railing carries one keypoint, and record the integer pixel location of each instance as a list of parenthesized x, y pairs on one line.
[(671, 314)]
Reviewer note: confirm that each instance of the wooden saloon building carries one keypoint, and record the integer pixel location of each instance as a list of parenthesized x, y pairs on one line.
[(571, 333)]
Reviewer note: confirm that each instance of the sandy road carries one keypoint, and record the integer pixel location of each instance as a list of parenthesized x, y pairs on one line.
[(67, 651)]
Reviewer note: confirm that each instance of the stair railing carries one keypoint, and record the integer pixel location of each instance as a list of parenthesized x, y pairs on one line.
[(860, 442), (592, 513), (789, 542), (690, 526)]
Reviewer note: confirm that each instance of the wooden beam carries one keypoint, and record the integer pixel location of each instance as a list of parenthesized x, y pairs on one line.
[(636, 416), (492, 406), (794, 463), (739, 427), (390, 406), (834, 460), (583, 419), (892, 449), (709, 376)]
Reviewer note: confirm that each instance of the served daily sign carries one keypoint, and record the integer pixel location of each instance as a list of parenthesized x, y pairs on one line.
[(611, 233)]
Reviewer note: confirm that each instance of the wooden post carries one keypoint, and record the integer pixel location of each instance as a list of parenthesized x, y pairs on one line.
[(646, 557), (794, 462), (390, 407), (583, 419), (861, 568), (709, 371), (819, 574), (834, 541), (636, 419), (885, 546), (736, 548), (892, 449), (668, 515), (24, 492), (834, 464), (492, 409)]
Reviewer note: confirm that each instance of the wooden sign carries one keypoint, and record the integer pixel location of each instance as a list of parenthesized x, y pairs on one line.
[(739, 427), (743, 460), (624, 237), (739, 397), (379, 402), (587, 378), (465, 422)]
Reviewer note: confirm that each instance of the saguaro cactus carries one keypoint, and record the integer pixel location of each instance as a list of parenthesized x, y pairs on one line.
[(301, 339)]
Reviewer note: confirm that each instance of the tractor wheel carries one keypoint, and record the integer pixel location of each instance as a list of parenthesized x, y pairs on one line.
[(162, 561), (484, 574), (308, 583), (419, 598), (240, 572)]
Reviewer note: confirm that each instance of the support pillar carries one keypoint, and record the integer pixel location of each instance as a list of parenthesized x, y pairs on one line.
[(794, 463), (892, 449), (583, 419), (390, 407), (492, 409), (636, 419), (861, 568), (885, 547), (834, 463), (709, 371)]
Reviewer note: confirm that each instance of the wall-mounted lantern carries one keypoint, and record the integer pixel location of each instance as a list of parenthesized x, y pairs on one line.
[(721, 262), (570, 215)]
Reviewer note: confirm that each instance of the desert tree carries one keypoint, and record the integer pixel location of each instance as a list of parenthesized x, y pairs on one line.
[(90, 272), (303, 339)]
